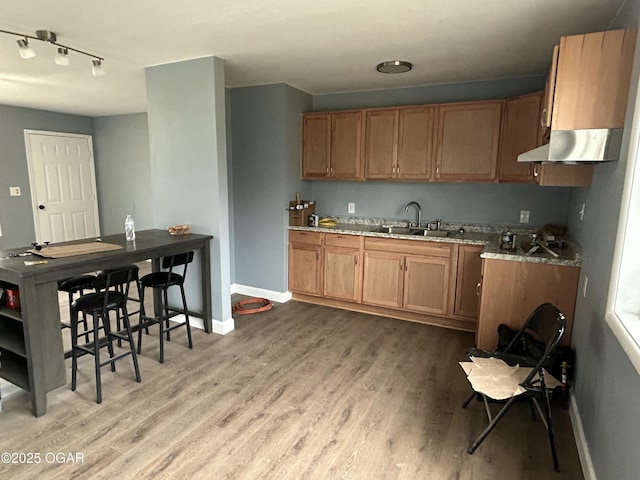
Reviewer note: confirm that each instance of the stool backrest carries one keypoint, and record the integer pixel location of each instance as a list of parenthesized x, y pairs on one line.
[(118, 278), (173, 261)]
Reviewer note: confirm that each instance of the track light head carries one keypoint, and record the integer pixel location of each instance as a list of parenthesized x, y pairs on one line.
[(62, 57), (97, 69), (25, 50)]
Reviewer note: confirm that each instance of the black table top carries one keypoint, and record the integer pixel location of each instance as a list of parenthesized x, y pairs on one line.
[(148, 244)]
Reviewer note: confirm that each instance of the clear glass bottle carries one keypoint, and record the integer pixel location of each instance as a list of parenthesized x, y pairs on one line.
[(129, 228)]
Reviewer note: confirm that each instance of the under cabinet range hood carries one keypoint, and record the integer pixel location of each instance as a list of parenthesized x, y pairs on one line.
[(593, 145)]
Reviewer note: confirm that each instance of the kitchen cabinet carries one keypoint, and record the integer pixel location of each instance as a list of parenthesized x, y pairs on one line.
[(520, 133), (468, 278), (331, 145), (511, 290), (592, 80), (399, 143), (587, 87), (407, 274), (468, 140), (305, 262), (343, 267)]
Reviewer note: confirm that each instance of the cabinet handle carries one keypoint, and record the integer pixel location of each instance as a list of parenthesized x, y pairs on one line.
[(478, 288), (355, 259), (535, 170), (331, 170), (438, 170), (317, 255)]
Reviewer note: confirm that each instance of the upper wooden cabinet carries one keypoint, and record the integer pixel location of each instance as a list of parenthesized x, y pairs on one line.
[(520, 128), (331, 145), (399, 143), (592, 80), (468, 138)]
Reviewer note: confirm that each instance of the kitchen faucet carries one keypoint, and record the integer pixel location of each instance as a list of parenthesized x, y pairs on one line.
[(418, 208)]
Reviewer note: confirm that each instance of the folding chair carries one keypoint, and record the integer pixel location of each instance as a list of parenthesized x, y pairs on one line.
[(546, 324)]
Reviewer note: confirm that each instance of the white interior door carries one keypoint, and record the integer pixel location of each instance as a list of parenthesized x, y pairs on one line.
[(63, 186)]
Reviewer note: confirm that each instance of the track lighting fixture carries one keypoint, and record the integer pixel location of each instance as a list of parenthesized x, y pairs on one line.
[(25, 50), (97, 69), (62, 55)]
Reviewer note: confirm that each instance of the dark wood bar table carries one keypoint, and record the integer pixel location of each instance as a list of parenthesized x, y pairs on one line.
[(31, 351)]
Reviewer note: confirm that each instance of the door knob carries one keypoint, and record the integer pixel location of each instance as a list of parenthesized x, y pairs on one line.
[(41, 207)]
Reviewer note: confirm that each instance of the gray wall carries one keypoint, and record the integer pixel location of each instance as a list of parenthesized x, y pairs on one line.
[(265, 123), (121, 144), (16, 213), (189, 183), (466, 203), (606, 385)]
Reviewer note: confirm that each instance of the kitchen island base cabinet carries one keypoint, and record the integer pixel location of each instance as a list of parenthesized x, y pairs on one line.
[(511, 290)]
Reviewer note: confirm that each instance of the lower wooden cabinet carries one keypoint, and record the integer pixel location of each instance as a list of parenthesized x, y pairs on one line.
[(429, 282), (343, 267), (407, 274), (305, 262), (512, 290), (468, 279)]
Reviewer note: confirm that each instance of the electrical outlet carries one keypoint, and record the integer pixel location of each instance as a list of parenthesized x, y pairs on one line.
[(524, 216), (581, 212), (14, 191), (351, 207), (584, 286)]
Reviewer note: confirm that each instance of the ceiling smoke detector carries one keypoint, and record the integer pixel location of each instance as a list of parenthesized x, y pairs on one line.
[(394, 66)]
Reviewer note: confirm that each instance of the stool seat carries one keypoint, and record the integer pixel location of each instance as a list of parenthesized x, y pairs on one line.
[(94, 302), (161, 280), (75, 284)]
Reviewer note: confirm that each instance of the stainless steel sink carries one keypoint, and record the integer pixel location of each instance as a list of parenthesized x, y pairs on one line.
[(433, 233), (393, 229)]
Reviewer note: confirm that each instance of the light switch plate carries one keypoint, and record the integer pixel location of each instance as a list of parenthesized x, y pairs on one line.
[(351, 207), (524, 216), (14, 191)]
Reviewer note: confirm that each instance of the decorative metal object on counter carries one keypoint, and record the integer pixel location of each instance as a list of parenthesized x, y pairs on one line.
[(508, 241)]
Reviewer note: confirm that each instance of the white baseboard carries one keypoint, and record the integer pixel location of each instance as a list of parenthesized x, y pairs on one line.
[(221, 327), (280, 297), (581, 441)]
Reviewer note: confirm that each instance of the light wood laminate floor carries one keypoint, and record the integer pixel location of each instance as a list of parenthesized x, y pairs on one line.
[(299, 392)]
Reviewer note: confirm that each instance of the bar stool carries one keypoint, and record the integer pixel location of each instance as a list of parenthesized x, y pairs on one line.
[(121, 288), (98, 305), (72, 286), (163, 281)]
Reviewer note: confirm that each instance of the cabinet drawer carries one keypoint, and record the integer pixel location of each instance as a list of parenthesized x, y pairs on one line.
[(416, 247), (310, 238), (341, 240)]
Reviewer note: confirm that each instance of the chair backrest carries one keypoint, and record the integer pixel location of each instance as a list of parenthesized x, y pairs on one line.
[(546, 324), (173, 261), (116, 278)]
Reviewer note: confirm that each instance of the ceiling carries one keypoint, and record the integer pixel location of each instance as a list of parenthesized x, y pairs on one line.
[(317, 47)]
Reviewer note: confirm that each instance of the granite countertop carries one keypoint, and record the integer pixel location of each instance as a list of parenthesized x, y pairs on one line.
[(486, 235)]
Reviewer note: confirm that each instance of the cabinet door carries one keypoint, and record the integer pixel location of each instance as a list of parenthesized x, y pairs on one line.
[(468, 139), (426, 284), (381, 143), (467, 281), (382, 282), (342, 273), (316, 145), (519, 134), (305, 269), (415, 143), (549, 89), (346, 149), (592, 83)]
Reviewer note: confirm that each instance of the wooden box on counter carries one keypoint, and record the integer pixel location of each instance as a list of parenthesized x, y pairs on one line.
[(300, 218)]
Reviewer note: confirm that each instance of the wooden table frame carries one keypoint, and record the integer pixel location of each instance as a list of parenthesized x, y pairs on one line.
[(31, 339)]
